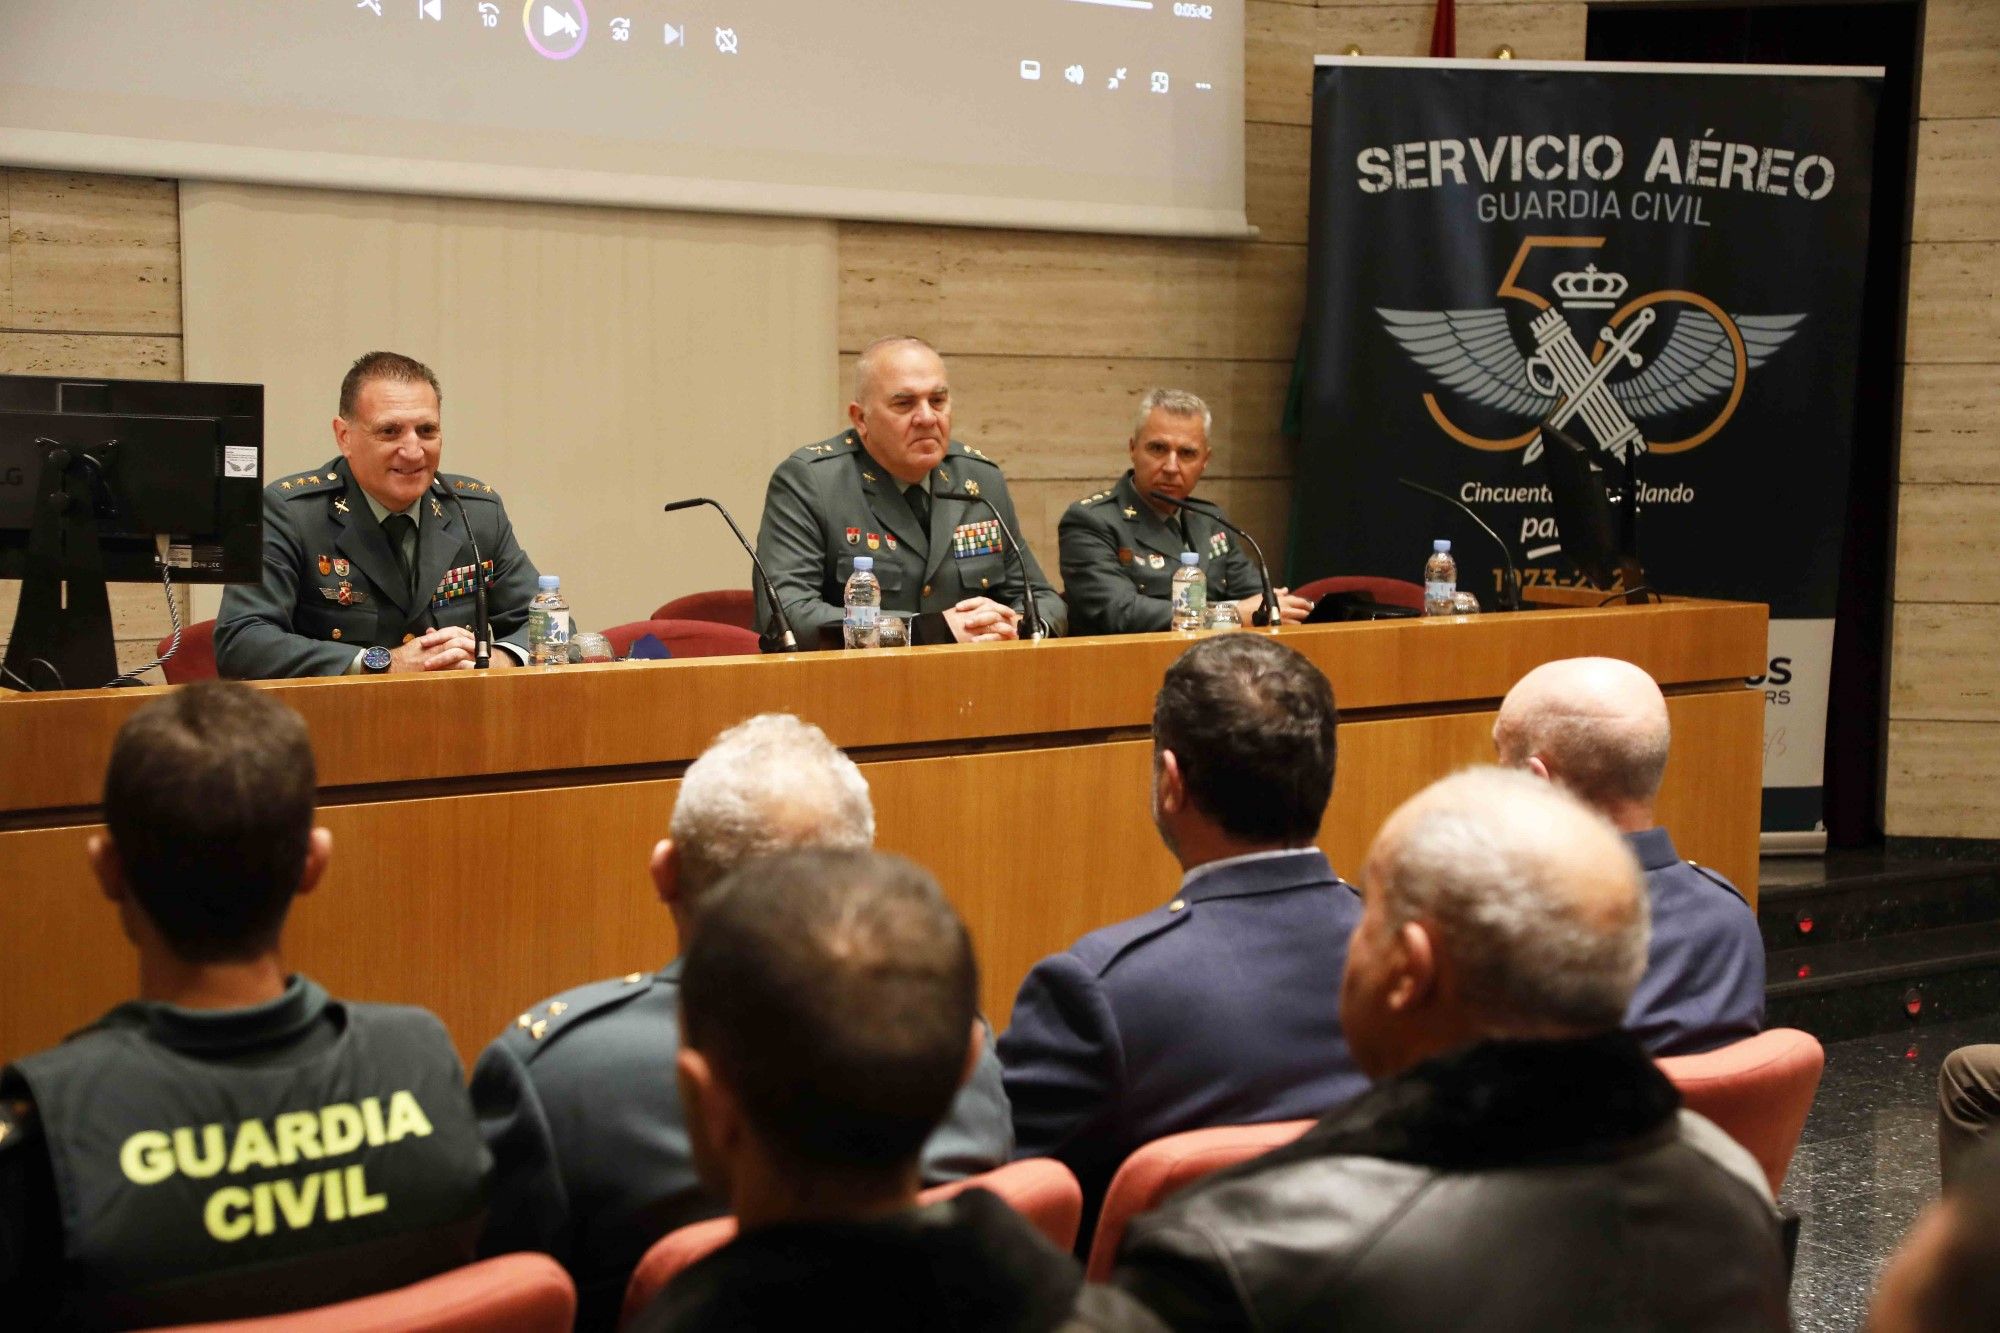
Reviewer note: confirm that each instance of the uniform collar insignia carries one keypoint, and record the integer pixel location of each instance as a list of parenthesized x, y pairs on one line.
[(341, 505)]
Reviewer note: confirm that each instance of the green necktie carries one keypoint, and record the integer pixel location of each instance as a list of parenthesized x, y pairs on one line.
[(401, 530)]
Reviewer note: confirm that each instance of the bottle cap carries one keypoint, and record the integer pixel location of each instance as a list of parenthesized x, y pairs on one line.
[(1441, 546), (863, 563), (1190, 558), (548, 582)]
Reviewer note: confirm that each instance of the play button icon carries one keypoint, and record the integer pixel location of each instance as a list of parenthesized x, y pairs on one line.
[(555, 28)]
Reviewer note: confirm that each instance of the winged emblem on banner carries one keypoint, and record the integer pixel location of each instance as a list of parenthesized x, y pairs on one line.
[(1705, 359)]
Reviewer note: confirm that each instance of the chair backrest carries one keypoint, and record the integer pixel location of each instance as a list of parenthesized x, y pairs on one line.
[(1153, 1173), (513, 1293), (1040, 1189), (196, 658), (724, 606), (1389, 592), (685, 638), (1759, 1090)]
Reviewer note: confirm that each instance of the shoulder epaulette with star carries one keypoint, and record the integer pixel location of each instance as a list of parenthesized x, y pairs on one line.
[(537, 1026), (846, 442), (968, 449), (309, 483), (469, 487), (1717, 880), (1098, 498)]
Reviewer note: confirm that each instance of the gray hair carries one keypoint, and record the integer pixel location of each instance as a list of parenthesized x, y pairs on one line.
[(1534, 895), (1174, 402), (767, 785), (864, 362)]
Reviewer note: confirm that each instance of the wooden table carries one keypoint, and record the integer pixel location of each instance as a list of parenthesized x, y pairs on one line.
[(491, 831)]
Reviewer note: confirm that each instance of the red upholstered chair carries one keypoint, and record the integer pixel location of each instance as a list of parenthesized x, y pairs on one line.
[(1165, 1165), (1389, 592), (685, 638), (196, 658), (1758, 1089), (724, 606), (1040, 1189), (514, 1293)]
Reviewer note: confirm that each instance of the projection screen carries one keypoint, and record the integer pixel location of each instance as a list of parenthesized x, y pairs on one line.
[(1106, 115)]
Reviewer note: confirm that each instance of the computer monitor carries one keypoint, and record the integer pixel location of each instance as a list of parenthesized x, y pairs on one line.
[(1597, 538), (96, 476)]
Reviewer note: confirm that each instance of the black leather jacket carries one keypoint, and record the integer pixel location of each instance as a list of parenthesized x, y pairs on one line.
[(1507, 1186)]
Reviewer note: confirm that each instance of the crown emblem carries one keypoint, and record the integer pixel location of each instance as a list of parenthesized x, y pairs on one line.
[(1590, 290)]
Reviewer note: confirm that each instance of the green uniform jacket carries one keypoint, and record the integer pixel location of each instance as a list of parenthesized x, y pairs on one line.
[(1119, 557), (332, 584), (830, 502)]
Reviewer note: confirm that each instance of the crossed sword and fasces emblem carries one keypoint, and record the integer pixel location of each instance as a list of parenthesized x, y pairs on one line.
[(1473, 354), (1560, 367)]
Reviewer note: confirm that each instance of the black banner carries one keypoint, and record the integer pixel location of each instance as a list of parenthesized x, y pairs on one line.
[(1665, 259)]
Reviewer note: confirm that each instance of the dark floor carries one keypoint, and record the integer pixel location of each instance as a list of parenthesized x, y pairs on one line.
[(1866, 1165)]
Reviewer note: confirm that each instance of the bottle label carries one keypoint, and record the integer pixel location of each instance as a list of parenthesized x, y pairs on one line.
[(558, 626), (1436, 591), (863, 617)]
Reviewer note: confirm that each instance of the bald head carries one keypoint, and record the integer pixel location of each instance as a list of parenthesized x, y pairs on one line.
[(871, 358), (1597, 726), (1528, 902)]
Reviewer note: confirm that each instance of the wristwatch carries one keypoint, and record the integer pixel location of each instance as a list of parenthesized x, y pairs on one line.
[(375, 660)]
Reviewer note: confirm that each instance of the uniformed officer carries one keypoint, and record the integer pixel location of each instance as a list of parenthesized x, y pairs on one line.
[(1120, 547), (233, 1142), (578, 1098), (1599, 727), (896, 487), (368, 567), (1218, 1007)]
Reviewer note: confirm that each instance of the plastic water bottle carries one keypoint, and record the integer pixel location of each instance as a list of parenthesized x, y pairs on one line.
[(548, 624), (862, 627), (1190, 593), (1440, 580)]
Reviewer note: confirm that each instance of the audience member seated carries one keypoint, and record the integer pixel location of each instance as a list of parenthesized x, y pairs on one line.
[(1520, 1163), (577, 1099), (233, 1142), (827, 1017), (1968, 1104), (1946, 1277), (1213, 1009), (1598, 727)]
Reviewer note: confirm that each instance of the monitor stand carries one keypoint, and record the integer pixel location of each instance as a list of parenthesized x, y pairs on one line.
[(62, 627)]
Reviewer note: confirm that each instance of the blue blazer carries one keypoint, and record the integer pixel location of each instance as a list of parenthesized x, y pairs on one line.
[(1704, 982), (1221, 1008)]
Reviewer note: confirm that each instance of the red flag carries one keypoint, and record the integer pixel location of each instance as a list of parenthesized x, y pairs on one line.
[(1444, 30)]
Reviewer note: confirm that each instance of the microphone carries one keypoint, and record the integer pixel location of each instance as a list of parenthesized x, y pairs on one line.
[(1037, 628), (1510, 588), (787, 642), (482, 628), (1267, 614)]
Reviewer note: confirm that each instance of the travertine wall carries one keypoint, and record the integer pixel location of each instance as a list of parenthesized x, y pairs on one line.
[(1944, 697), (1051, 337), (90, 284)]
